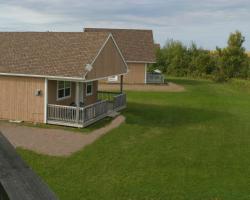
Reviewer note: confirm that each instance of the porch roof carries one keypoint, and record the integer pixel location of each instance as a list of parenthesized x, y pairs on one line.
[(59, 54)]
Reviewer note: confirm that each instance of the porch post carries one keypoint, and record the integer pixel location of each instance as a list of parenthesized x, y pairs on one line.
[(77, 100), (121, 84), (45, 96)]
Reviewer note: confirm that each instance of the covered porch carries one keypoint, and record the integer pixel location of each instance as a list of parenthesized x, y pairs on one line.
[(156, 78), (79, 104)]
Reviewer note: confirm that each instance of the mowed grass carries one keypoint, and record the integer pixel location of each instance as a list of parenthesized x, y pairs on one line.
[(191, 145)]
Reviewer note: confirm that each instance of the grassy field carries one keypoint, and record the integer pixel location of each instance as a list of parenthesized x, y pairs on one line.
[(191, 145)]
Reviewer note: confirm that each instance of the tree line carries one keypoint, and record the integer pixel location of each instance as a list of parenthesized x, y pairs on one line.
[(177, 59)]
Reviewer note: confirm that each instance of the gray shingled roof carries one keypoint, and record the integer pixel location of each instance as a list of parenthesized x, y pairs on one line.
[(63, 54), (17, 180), (135, 45)]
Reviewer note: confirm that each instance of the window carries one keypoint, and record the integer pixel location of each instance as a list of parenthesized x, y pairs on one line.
[(112, 78), (89, 88), (63, 89)]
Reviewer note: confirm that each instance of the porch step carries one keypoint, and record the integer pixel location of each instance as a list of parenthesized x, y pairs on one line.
[(113, 114)]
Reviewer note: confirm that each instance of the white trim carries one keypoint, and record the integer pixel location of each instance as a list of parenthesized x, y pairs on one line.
[(86, 90), (140, 62), (96, 79), (99, 52), (119, 52), (81, 92), (44, 76), (77, 96), (65, 97), (45, 96), (145, 78), (57, 78)]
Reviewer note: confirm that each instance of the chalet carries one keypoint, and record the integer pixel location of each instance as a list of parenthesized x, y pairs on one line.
[(52, 77), (138, 49)]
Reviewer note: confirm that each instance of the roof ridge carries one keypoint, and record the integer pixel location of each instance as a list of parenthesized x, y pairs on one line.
[(119, 29)]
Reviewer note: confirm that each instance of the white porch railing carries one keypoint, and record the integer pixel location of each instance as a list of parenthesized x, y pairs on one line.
[(61, 113), (84, 116), (79, 117), (155, 78), (117, 101), (120, 101), (93, 112)]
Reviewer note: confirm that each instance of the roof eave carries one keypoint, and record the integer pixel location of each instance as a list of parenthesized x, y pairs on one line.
[(44, 76)]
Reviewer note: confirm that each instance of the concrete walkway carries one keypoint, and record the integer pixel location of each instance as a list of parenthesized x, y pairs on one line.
[(53, 142)]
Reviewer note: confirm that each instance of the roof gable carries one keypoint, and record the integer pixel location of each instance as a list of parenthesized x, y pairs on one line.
[(135, 45), (60, 54), (109, 62)]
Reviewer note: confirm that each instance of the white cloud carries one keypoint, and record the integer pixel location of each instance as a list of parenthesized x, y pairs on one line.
[(208, 22), (18, 14)]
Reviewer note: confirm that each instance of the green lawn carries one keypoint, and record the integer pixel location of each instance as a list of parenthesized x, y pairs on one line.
[(191, 145)]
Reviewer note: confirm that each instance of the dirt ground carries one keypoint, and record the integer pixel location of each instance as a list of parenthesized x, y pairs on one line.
[(169, 87), (53, 142)]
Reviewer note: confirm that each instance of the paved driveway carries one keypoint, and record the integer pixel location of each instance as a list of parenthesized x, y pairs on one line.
[(54, 142)]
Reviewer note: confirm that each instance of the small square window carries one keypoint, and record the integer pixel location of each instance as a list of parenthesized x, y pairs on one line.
[(89, 88)]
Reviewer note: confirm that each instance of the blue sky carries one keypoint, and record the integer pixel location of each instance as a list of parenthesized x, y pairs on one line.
[(207, 22)]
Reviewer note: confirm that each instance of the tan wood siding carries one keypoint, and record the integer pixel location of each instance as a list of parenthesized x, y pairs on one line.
[(136, 73), (92, 98), (108, 63), (52, 94), (18, 100)]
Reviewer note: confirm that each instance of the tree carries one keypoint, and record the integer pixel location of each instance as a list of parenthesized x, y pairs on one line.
[(179, 60), (176, 58), (233, 61)]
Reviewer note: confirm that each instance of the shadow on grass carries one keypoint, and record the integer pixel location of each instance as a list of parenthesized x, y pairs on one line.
[(166, 116)]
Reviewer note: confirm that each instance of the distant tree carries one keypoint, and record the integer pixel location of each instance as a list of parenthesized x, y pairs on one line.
[(233, 60), (160, 61), (201, 61), (176, 58), (179, 60)]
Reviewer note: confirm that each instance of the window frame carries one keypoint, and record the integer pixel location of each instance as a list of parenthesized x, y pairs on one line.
[(64, 89), (86, 89)]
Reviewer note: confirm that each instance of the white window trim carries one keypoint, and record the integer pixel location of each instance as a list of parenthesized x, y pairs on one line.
[(65, 97), (89, 83)]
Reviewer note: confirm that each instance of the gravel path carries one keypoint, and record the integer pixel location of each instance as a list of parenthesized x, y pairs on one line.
[(53, 142), (170, 87)]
